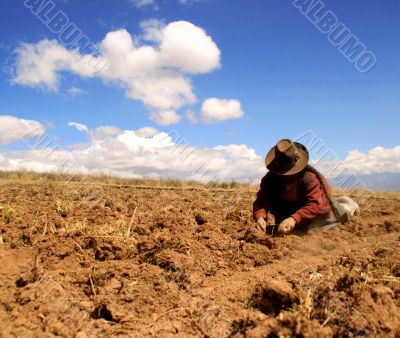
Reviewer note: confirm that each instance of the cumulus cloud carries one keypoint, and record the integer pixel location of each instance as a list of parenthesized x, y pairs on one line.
[(142, 153), (374, 161), (238, 151), (105, 132), (187, 47), (165, 117), (156, 74), (216, 110), (40, 64), (14, 129), (147, 132), (134, 142), (146, 152)]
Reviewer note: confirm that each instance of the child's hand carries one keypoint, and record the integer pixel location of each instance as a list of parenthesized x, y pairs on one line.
[(287, 225), (261, 224)]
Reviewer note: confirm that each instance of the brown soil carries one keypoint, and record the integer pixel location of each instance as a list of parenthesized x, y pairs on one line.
[(93, 260)]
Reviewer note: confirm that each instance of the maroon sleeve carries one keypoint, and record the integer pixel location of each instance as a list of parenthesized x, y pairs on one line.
[(316, 201), (262, 203)]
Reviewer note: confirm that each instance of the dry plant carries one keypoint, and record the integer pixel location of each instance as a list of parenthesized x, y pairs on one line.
[(30, 176), (7, 213)]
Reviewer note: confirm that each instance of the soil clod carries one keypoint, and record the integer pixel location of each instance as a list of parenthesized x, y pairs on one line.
[(273, 297)]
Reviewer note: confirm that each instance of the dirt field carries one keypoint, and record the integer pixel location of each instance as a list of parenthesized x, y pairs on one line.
[(97, 260)]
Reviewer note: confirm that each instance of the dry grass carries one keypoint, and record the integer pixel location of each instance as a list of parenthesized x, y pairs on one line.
[(7, 213), (24, 176)]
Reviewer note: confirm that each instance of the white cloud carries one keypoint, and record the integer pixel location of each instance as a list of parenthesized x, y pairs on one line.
[(156, 74), (78, 126), (165, 117), (162, 90), (39, 65), (375, 160), (238, 151), (149, 153), (136, 143), (106, 131), (127, 154), (187, 47), (147, 132), (216, 110), (14, 129)]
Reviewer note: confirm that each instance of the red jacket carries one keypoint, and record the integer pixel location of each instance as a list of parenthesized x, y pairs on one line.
[(304, 199)]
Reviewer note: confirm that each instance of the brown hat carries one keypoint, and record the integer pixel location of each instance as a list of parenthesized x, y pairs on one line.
[(286, 158)]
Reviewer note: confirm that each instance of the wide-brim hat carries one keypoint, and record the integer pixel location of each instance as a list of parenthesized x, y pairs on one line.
[(286, 158)]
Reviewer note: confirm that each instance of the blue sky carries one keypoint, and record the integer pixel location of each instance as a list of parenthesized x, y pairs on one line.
[(284, 73)]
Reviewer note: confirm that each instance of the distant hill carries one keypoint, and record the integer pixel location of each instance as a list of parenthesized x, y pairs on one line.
[(381, 181)]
